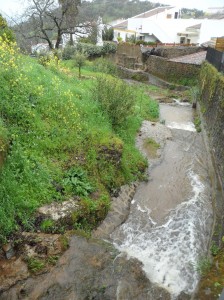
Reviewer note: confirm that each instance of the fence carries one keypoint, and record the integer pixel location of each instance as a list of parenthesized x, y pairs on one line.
[(219, 44), (216, 58)]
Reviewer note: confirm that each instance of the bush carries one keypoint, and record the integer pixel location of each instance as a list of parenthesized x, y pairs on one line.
[(115, 97), (68, 52), (96, 51), (109, 47), (105, 66), (5, 32)]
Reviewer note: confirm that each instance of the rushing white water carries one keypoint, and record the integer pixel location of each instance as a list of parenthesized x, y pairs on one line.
[(170, 221), (184, 126), (170, 251)]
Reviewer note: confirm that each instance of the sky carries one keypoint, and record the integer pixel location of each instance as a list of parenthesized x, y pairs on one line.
[(12, 7)]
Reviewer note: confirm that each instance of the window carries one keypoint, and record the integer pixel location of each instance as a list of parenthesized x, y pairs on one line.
[(182, 40), (169, 16), (176, 15)]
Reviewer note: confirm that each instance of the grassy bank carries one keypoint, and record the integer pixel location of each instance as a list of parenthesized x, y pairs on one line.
[(59, 141)]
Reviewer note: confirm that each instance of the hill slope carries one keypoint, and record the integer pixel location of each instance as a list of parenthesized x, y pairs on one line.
[(60, 142)]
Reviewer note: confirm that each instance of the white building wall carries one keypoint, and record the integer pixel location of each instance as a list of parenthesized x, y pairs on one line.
[(166, 30), (122, 34), (211, 28)]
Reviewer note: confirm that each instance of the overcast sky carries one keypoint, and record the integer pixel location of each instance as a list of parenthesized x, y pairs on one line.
[(12, 7)]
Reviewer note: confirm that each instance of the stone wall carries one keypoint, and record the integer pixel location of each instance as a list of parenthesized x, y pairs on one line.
[(170, 70), (212, 108), (171, 52), (130, 56)]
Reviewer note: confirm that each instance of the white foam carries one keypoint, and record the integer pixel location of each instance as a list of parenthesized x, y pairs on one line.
[(181, 103), (189, 126), (170, 252)]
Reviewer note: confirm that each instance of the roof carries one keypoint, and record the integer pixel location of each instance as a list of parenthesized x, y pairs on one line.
[(217, 16), (197, 26), (122, 25), (147, 14), (195, 58), (153, 12), (220, 7)]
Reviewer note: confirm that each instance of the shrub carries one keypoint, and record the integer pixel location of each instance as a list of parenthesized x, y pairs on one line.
[(68, 52), (96, 51), (109, 47), (5, 32), (49, 59), (105, 66), (115, 97)]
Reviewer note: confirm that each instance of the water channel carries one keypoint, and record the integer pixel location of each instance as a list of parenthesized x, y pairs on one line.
[(170, 220)]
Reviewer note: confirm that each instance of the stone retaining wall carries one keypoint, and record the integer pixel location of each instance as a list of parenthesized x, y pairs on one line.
[(118, 213), (130, 56), (212, 107), (171, 70), (171, 52)]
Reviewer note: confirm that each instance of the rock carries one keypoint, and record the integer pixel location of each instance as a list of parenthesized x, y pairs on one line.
[(183, 296), (57, 211), (12, 272), (41, 244), (90, 270), (118, 213), (9, 251)]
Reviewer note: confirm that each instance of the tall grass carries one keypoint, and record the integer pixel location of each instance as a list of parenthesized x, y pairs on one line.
[(51, 125)]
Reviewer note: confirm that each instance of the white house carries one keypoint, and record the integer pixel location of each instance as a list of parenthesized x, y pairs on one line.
[(39, 48), (215, 10), (164, 25)]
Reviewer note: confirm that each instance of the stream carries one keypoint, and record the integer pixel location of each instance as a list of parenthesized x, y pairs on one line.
[(171, 215)]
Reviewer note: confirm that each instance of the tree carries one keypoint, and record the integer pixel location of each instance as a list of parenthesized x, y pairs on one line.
[(80, 61), (108, 34), (52, 18)]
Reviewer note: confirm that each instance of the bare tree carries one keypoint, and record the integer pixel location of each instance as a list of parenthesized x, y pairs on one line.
[(52, 18)]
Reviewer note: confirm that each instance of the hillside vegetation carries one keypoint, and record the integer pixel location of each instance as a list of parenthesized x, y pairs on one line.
[(64, 138), (123, 9), (115, 9)]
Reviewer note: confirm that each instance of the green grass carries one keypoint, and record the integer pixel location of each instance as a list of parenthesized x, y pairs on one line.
[(151, 146), (53, 126)]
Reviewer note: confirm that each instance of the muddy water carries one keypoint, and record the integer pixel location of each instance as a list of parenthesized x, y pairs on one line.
[(170, 221)]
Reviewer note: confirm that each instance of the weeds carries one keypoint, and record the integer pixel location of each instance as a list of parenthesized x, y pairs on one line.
[(47, 225), (151, 146), (203, 266), (214, 249), (35, 265), (197, 123), (77, 183)]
